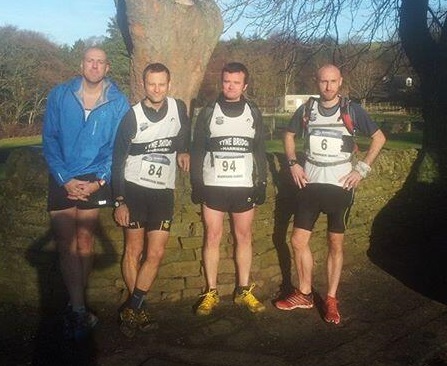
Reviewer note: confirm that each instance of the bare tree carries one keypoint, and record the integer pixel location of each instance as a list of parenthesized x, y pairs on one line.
[(420, 25), (423, 32), (29, 67)]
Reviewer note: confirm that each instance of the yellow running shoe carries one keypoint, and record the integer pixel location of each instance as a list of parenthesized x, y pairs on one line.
[(209, 301), (247, 299)]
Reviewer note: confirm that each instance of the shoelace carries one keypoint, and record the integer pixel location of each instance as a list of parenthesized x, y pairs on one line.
[(208, 299), (144, 317), (247, 292), (129, 316), (250, 298)]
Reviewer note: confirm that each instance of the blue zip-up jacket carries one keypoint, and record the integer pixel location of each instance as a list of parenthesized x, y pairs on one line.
[(74, 145)]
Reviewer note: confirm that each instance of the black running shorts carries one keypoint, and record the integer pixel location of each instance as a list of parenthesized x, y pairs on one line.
[(329, 199), (149, 208), (229, 199), (57, 196)]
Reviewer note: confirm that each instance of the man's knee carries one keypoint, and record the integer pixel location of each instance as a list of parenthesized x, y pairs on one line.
[(133, 252), (85, 242), (335, 242), (213, 237), (243, 238), (300, 239), (155, 256)]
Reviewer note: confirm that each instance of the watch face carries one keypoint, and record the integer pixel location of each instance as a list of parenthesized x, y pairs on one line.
[(117, 203)]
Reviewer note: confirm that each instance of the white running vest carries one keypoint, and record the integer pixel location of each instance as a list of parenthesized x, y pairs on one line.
[(326, 162), (156, 166), (229, 161)]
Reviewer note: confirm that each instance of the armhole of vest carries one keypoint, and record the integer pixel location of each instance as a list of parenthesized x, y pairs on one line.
[(347, 102), (307, 108), (210, 108), (257, 113), (310, 104)]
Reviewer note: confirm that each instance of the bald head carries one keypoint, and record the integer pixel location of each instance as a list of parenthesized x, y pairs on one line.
[(329, 81), (328, 68)]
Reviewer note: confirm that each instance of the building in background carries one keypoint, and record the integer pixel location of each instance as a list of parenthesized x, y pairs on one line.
[(290, 103)]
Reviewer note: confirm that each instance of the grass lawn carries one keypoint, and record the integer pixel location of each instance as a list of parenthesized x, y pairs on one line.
[(19, 142), (7, 145)]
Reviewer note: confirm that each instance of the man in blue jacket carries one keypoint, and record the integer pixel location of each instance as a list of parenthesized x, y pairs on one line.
[(80, 123)]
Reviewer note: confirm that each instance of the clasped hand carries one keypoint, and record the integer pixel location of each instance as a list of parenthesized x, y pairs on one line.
[(80, 189)]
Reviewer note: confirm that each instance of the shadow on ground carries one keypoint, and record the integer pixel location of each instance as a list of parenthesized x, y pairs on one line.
[(50, 345), (392, 305), (409, 237)]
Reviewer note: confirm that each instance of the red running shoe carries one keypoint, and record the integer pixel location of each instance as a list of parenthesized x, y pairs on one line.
[(296, 300), (332, 315)]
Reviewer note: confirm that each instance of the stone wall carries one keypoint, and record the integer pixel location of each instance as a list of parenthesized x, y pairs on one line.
[(29, 271)]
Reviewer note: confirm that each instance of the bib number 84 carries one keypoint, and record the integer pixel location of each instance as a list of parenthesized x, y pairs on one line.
[(155, 170)]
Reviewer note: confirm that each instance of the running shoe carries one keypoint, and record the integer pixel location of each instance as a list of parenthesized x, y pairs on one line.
[(78, 325), (144, 322), (129, 323), (331, 310), (209, 301), (296, 300), (247, 299)]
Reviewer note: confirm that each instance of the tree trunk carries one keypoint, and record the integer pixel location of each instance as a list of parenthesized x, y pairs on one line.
[(428, 56), (181, 34)]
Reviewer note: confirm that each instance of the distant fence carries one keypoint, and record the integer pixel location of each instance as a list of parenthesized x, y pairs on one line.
[(388, 107)]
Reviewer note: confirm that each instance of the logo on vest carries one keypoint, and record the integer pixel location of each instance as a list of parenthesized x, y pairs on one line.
[(234, 144), (163, 145)]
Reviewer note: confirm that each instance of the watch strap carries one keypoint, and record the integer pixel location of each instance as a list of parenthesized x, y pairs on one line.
[(292, 162)]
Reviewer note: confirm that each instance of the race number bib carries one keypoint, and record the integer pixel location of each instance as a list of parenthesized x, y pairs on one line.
[(229, 168), (325, 143), (154, 169)]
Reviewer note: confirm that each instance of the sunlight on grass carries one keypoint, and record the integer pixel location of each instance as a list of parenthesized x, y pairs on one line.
[(7, 145), (20, 141), (398, 141)]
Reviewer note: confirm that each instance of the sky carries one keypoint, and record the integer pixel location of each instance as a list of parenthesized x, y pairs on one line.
[(61, 21), (64, 21)]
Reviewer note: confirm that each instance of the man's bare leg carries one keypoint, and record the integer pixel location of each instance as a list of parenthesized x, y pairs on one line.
[(303, 259), (244, 250), (213, 221)]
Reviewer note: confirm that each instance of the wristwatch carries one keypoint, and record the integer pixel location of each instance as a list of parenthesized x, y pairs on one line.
[(119, 201), (292, 162)]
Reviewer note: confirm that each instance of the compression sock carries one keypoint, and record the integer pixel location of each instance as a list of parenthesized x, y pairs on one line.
[(137, 298)]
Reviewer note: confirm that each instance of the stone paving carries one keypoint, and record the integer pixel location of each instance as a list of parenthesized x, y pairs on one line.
[(384, 324)]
